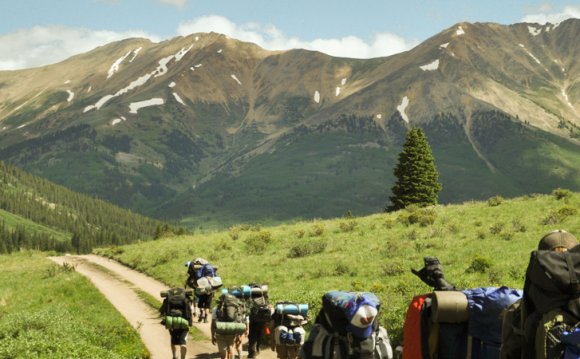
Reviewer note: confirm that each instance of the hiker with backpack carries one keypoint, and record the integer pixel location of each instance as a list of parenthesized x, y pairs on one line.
[(176, 316), (544, 324), (260, 313), (203, 278), (347, 327), (228, 323), (287, 332)]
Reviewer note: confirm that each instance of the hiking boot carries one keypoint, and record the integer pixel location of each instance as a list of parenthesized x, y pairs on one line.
[(200, 319), (205, 319)]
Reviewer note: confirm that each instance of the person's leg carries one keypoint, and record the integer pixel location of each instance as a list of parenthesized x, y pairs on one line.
[(252, 340), (183, 351), (173, 351)]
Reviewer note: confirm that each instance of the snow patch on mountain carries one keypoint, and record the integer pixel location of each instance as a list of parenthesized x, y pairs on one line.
[(172, 84), (459, 31), (317, 96), (402, 107), (565, 95), (444, 46), (159, 71), (337, 90), (534, 31), (134, 107), (178, 98), (379, 116), (431, 66), (115, 66), (135, 52), (71, 95), (118, 120), (343, 82), (236, 79)]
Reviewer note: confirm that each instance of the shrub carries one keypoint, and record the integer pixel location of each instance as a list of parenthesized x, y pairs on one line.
[(518, 226), (257, 243), (561, 193), (479, 265), (558, 216), (307, 248), (341, 269), (480, 234), (507, 235), (317, 230), (389, 223), (300, 233), (393, 268), (347, 226), (496, 228), (495, 201)]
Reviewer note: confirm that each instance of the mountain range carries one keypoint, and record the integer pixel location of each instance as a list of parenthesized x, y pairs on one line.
[(211, 131)]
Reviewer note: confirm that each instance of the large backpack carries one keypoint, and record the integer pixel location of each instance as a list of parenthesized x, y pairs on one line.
[(260, 308), (230, 309), (176, 310), (551, 301), (347, 328)]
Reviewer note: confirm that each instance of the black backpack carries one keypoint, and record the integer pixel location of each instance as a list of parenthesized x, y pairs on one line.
[(260, 309), (176, 303)]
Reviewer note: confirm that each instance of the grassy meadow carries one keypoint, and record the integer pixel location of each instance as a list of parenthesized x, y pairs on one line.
[(50, 311), (480, 244)]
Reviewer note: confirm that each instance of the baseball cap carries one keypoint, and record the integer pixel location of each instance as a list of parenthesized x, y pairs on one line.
[(557, 238), (361, 321)]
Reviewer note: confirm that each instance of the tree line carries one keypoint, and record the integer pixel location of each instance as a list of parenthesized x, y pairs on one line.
[(91, 222)]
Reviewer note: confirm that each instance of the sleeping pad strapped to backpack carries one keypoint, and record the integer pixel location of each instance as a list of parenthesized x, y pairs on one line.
[(176, 310), (347, 328), (230, 315)]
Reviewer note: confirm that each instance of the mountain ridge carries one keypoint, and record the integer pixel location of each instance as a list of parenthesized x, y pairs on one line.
[(144, 123)]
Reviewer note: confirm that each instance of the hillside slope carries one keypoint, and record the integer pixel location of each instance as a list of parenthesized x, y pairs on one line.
[(38, 214), (208, 128), (478, 243)]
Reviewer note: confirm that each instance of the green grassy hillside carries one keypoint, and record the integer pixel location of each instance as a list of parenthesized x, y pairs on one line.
[(48, 311), (479, 244)]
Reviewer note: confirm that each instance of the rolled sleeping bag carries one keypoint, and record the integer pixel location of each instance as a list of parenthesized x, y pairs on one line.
[(302, 334), (239, 292), (215, 282), (176, 323), (296, 309), (263, 290), (203, 282), (449, 307), (278, 334), (230, 328)]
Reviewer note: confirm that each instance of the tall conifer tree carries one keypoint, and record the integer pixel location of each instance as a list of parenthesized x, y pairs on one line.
[(417, 177)]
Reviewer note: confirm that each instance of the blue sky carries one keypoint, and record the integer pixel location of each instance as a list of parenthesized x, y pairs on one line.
[(39, 32)]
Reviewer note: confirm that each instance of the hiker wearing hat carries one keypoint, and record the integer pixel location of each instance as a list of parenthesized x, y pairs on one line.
[(551, 301), (558, 241)]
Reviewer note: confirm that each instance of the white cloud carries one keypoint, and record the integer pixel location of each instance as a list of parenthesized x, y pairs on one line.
[(553, 17), (42, 45), (270, 38), (178, 3)]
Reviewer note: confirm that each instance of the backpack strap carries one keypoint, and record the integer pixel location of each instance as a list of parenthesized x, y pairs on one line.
[(571, 270)]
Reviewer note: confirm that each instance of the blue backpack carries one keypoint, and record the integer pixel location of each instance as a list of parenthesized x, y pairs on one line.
[(486, 306), (347, 328)]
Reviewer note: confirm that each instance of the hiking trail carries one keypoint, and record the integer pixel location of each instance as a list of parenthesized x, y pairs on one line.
[(118, 284)]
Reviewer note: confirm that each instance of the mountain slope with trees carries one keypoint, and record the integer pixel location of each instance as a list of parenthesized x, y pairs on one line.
[(38, 214)]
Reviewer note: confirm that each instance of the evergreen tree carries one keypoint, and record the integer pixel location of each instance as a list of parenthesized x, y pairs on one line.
[(416, 174)]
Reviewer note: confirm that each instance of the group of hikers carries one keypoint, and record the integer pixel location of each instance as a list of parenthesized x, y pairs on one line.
[(540, 321)]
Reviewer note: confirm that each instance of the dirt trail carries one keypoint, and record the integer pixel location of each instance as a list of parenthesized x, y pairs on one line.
[(113, 284)]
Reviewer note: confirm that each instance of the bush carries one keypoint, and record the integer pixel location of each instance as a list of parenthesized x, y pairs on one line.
[(257, 243), (393, 268), (389, 223), (561, 193), (496, 228), (558, 216), (347, 226), (495, 201), (307, 248), (414, 215), (479, 265), (317, 230)]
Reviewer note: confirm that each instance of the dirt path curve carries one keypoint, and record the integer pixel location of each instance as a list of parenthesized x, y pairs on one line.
[(141, 316)]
